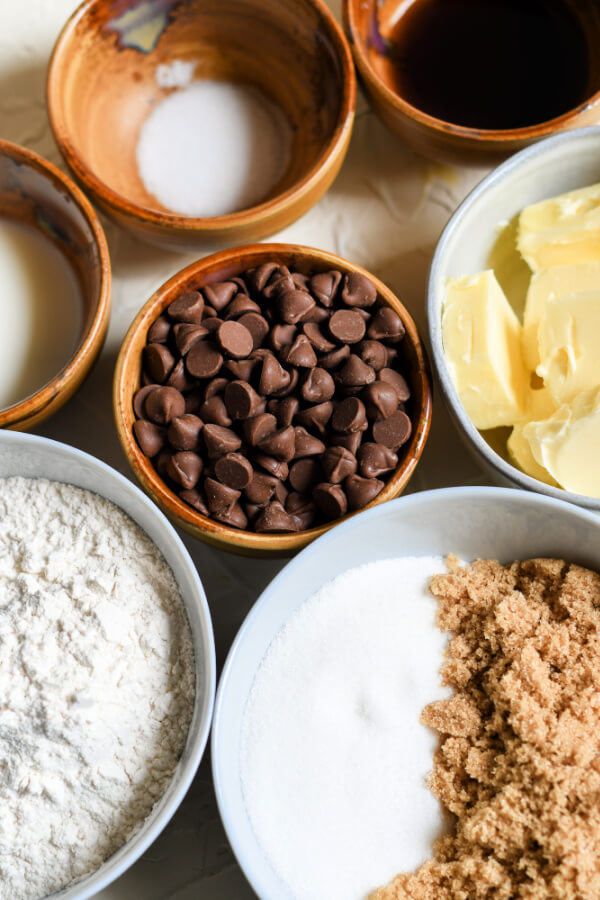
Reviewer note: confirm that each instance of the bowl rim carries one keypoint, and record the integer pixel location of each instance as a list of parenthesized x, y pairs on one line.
[(441, 496), (203, 527), (479, 135), (127, 855), (209, 225), (43, 401), (460, 417)]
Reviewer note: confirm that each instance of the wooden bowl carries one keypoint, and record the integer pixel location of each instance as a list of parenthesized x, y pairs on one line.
[(102, 86), (219, 267), (446, 141), (37, 194)]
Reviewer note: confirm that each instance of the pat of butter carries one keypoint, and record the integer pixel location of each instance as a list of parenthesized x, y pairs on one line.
[(549, 284), (568, 345), (567, 444), (562, 230), (482, 344), (540, 405)]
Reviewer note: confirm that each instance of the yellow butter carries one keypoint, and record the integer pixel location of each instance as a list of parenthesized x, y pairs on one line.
[(567, 444), (540, 405), (568, 345), (562, 230), (549, 284), (482, 344)]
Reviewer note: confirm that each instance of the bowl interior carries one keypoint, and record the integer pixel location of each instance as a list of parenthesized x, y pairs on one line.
[(470, 244), (375, 21), (104, 76), (35, 457), (470, 522), (220, 267)]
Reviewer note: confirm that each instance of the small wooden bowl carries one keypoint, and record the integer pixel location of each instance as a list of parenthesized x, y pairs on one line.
[(37, 194), (102, 86), (445, 141), (219, 267)]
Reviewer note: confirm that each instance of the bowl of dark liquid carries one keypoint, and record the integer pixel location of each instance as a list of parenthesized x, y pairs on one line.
[(475, 80)]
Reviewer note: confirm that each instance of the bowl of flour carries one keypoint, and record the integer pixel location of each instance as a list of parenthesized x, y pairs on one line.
[(107, 671)]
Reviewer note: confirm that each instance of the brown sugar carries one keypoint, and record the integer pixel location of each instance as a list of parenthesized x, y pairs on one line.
[(519, 758)]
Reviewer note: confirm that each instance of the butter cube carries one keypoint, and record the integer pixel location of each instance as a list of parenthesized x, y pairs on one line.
[(562, 230), (482, 344), (567, 444), (550, 284), (568, 345), (540, 405)]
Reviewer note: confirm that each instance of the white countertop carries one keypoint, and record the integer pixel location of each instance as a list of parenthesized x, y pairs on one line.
[(385, 211)]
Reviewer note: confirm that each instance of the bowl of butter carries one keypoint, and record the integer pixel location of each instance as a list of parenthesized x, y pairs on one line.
[(514, 318)]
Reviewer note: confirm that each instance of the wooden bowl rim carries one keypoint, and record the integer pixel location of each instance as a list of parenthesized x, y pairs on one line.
[(203, 527), (42, 403), (254, 215), (485, 136)]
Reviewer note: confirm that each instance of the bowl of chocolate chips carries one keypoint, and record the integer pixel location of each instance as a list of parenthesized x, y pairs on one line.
[(266, 392)]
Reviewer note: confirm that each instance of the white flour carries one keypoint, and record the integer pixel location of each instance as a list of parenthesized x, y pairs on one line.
[(333, 756), (96, 682)]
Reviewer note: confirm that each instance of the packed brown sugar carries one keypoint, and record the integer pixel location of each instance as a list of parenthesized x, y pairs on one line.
[(518, 764)]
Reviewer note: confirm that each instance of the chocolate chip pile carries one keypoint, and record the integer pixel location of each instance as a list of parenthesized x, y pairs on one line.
[(273, 401)]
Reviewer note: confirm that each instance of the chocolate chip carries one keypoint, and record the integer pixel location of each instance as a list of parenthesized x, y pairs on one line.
[(163, 404), (242, 369), (235, 340), (187, 335), (239, 305), (361, 491), (184, 432), (330, 499), (209, 313), (300, 353), (234, 515), (179, 378), (324, 286), (375, 460), (234, 470), (358, 290), (307, 444), (193, 402), (187, 308), (159, 331), (158, 361), (139, 399), (338, 463), (315, 418), (300, 281), (318, 315), (391, 376), (293, 306), (258, 427), (334, 359), (349, 415), (305, 474), (220, 440), (215, 412), (350, 441), (277, 285), (393, 431), (241, 400), (374, 354), (281, 444), (302, 509), (290, 387), (347, 325), (220, 293), (313, 332), (276, 467), (257, 325), (282, 335), (196, 499), (386, 325), (257, 278), (212, 324), (355, 373), (380, 399), (261, 488), (284, 410), (214, 387), (204, 360), (218, 496), (273, 376), (318, 386), (185, 468), (275, 519), (151, 438)]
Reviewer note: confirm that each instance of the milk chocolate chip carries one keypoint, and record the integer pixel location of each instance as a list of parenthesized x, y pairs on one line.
[(324, 286), (204, 360), (349, 415), (187, 335), (235, 340), (361, 491), (380, 399), (218, 496), (358, 290), (338, 463), (241, 400), (163, 404), (185, 468), (386, 325), (184, 432), (347, 325), (151, 438), (159, 331), (294, 306), (234, 470), (158, 361), (220, 440), (275, 519), (393, 431), (330, 499), (187, 308), (318, 386), (375, 460), (220, 293)]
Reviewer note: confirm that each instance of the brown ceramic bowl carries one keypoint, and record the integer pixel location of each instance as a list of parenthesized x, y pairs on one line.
[(219, 267), (37, 194), (102, 86), (445, 141)]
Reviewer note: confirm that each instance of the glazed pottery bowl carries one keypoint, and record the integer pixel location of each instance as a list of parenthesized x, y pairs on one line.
[(367, 23), (469, 244), (219, 267), (35, 193), (102, 85), (30, 456), (471, 522)]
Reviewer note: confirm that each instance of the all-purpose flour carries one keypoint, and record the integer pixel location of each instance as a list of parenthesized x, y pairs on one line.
[(96, 682)]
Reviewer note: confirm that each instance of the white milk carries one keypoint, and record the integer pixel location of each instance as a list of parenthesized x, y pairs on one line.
[(40, 311)]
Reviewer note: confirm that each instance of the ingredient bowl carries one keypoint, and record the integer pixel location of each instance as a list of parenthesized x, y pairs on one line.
[(556, 165), (471, 522), (45, 205), (219, 268), (460, 30), (103, 83), (35, 457)]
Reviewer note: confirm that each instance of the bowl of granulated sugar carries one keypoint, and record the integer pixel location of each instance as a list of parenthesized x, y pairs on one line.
[(203, 123), (388, 698), (107, 675)]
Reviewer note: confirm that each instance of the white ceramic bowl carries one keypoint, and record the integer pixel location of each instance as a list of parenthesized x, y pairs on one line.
[(37, 457), (558, 164), (470, 522)]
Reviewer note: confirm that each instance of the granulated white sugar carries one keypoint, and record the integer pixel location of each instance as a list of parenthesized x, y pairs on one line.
[(333, 757), (213, 147)]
